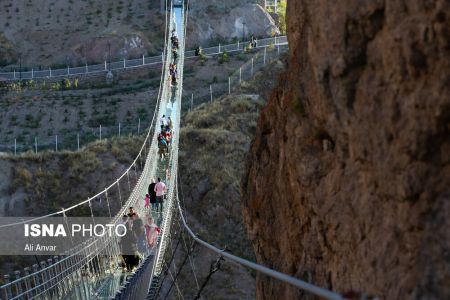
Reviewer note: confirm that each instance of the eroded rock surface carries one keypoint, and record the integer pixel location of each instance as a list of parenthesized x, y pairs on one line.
[(225, 20), (348, 179)]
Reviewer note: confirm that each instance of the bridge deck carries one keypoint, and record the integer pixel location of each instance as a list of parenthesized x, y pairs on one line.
[(113, 282)]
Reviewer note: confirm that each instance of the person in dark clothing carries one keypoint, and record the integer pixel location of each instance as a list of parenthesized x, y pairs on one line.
[(128, 246), (175, 55), (253, 41), (139, 231), (198, 51), (131, 213), (152, 193)]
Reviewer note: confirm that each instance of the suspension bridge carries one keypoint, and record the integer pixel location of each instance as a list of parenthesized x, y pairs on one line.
[(92, 270)]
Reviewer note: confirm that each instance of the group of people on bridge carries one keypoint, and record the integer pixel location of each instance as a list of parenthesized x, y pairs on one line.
[(164, 137), (173, 65), (141, 234), (156, 195), (140, 237)]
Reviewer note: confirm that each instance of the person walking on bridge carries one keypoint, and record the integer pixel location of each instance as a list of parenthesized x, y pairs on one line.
[(175, 56), (128, 246), (162, 148), (160, 190), (168, 136), (152, 193), (163, 122), (147, 202), (152, 231), (174, 39), (131, 213)]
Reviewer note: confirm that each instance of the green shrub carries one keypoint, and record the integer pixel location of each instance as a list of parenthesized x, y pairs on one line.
[(224, 57), (282, 16)]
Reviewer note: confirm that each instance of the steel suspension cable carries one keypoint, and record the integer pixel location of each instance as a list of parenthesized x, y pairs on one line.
[(167, 266), (176, 285), (191, 263), (215, 266), (180, 269), (260, 268)]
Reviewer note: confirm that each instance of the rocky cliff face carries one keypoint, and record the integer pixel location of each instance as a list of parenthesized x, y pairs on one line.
[(225, 20), (348, 179)]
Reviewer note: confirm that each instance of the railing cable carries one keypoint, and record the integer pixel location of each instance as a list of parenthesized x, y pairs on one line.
[(215, 266), (260, 268)]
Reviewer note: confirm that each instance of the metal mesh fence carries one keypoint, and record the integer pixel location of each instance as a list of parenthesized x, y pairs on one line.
[(74, 140), (71, 140), (213, 91), (131, 63)]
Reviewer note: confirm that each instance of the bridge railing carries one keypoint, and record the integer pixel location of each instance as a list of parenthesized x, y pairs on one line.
[(48, 73)]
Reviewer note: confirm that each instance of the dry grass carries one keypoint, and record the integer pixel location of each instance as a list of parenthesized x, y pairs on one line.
[(215, 141), (55, 180)]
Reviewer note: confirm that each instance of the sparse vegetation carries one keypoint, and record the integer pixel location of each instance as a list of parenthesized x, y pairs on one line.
[(76, 170), (224, 57), (281, 11), (282, 16), (218, 135)]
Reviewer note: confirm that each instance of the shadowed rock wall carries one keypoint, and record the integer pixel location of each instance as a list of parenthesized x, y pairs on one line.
[(348, 178)]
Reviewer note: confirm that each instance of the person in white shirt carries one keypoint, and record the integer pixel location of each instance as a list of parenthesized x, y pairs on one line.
[(163, 122), (160, 189)]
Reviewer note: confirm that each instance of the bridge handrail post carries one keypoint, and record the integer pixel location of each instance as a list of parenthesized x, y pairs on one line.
[(7, 288), (36, 280), (28, 282)]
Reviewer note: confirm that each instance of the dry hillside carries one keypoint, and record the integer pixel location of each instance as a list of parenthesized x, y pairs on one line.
[(61, 32), (57, 33), (38, 110)]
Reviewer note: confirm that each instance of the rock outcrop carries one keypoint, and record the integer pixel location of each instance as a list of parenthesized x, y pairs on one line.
[(348, 179), (6, 50), (225, 20)]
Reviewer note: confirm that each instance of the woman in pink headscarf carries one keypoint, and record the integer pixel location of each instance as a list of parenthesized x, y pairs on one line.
[(151, 232)]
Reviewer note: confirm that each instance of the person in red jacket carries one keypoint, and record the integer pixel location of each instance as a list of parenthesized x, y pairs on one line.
[(168, 137)]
